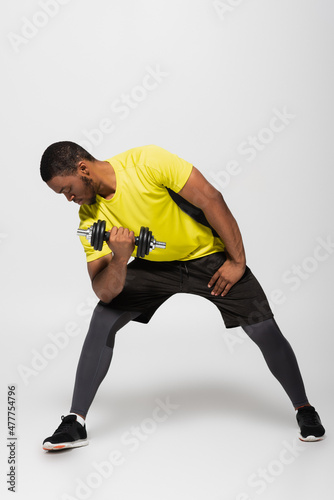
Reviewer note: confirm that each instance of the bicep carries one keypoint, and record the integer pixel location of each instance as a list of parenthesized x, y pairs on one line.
[(198, 190), (98, 265)]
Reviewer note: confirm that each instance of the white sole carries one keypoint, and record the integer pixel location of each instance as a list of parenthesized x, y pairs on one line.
[(62, 446), (311, 438)]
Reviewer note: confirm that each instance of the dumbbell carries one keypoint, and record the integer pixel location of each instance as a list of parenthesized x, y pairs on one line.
[(97, 234)]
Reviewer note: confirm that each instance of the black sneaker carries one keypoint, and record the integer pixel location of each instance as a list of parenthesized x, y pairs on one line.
[(310, 425), (70, 434)]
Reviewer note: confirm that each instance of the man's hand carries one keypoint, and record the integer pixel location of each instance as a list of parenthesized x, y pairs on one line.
[(121, 242), (226, 276)]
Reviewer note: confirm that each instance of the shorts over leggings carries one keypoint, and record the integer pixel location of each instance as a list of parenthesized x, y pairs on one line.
[(149, 284)]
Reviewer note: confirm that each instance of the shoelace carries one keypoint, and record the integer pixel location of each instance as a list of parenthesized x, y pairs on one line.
[(309, 417), (65, 426)]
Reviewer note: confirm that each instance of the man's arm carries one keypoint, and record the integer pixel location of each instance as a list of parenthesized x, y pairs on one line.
[(109, 272), (202, 194)]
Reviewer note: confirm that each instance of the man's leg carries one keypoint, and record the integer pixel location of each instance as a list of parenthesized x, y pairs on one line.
[(96, 355), (280, 358), (282, 363), (247, 304), (148, 285), (93, 365)]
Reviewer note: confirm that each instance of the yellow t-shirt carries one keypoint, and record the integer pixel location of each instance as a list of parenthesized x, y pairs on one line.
[(141, 199)]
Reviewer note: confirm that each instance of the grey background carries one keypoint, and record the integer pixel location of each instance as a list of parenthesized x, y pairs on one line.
[(227, 68)]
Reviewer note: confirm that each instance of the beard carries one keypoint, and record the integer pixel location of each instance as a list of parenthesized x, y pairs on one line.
[(91, 190)]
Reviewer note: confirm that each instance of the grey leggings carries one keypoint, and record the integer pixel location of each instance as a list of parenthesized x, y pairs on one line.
[(98, 348)]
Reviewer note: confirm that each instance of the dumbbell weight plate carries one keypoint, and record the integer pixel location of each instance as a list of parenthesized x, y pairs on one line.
[(148, 244), (145, 242), (93, 235), (140, 243), (100, 232)]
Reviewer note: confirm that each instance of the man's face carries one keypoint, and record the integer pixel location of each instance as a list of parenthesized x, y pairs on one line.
[(77, 188)]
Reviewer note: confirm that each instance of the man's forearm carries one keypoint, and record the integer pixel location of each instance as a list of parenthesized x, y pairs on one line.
[(222, 220), (109, 282)]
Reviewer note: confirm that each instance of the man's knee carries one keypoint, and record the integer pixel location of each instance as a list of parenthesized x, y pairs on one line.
[(109, 320)]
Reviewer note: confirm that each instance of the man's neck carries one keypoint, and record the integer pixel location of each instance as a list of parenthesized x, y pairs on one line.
[(106, 180)]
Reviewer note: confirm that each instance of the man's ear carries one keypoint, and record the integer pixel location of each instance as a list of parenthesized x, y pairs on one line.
[(83, 168)]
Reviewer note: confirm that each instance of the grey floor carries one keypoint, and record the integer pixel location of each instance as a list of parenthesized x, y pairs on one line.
[(228, 431)]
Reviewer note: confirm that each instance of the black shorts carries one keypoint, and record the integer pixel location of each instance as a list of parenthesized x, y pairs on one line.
[(149, 284)]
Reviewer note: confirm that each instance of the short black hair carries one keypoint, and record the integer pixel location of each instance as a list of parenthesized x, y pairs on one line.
[(62, 158)]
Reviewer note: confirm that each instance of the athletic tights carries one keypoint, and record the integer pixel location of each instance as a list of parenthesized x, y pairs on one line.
[(98, 348)]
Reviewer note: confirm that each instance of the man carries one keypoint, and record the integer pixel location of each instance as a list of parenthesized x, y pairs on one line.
[(148, 186)]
